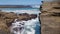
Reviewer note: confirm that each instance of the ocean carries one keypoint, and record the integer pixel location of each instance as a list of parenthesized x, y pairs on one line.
[(22, 10), (31, 26)]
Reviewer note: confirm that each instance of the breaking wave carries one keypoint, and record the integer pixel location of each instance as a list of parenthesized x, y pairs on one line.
[(30, 27), (24, 11)]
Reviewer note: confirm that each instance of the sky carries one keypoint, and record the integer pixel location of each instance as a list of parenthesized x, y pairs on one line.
[(52, 0), (20, 2)]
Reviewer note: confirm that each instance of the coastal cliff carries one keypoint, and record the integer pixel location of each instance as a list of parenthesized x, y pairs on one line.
[(50, 18)]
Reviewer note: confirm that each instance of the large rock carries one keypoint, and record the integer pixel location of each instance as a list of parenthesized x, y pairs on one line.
[(50, 18)]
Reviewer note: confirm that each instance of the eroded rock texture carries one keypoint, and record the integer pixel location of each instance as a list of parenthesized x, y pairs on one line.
[(50, 18), (7, 18)]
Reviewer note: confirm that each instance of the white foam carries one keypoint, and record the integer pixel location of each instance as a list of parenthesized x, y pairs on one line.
[(29, 26), (24, 11)]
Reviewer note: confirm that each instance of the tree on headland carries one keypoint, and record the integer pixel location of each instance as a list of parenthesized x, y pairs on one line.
[(41, 5)]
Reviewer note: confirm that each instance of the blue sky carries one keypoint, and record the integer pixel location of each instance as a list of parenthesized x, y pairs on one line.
[(19, 2)]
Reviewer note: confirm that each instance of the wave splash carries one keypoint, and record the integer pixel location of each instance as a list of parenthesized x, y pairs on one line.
[(25, 27), (23, 11)]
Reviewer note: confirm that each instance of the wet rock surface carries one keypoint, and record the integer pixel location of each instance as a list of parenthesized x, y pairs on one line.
[(7, 18)]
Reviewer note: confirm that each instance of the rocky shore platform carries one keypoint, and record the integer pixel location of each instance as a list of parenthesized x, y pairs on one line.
[(6, 19)]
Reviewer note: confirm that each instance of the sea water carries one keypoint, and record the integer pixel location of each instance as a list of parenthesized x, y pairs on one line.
[(31, 26), (22, 10)]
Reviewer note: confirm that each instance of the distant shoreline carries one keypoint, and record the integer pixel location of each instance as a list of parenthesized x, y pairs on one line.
[(15, 6)]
